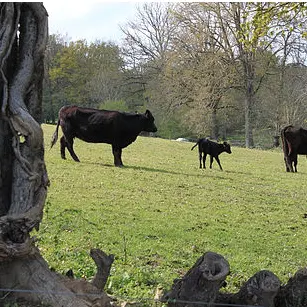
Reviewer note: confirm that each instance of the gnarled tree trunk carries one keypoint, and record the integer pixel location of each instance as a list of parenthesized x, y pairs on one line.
[(23, 175)]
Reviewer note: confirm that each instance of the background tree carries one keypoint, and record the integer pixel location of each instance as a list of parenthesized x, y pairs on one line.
[(292, 46), (213, 49), (81, 73), (197, 71), (203, 69), (105, 76), (240, 36), (148, 38), (54, 45), (145, 49)]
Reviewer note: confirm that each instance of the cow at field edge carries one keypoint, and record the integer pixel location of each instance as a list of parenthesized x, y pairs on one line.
[(119, 129), (211, 148), (294, 142)]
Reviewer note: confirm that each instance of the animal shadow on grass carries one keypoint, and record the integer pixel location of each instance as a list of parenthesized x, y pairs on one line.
[(238, 172), (98, 164), (157, 170), (142, 168)]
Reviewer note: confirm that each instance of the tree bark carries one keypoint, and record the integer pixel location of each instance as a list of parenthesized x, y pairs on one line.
[(249, 72), (249, 140), (215, 129), (260, 290), (201, 283), (294, 293)]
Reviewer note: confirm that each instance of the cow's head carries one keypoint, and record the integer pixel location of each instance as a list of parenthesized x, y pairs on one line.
[(149, 123), (227, 147)]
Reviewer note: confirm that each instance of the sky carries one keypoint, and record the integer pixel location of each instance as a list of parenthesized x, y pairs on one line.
[(89, 19)]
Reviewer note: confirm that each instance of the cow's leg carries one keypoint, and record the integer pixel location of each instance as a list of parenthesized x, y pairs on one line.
[(70, 147), (287, 166), (289, 160), (63, 145), (218, 161), (295, 163), (68, 138), (117, 154)]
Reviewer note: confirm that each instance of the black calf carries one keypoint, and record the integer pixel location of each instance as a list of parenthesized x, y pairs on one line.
[(211, 148)]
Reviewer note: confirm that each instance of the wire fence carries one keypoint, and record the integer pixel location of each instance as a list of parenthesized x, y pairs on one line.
[(126, 301)]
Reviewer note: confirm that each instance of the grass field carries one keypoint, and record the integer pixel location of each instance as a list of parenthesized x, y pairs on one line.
[(160, 212)]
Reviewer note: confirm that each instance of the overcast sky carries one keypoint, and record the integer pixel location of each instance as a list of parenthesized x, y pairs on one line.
[(89, 19)]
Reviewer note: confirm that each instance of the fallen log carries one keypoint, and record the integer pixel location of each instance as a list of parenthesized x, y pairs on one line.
[(260, 290), (201, 285), (294, 293)]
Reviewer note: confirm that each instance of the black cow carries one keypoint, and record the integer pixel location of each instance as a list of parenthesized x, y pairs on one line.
[(211, 148), (294, 142), (101, 126)]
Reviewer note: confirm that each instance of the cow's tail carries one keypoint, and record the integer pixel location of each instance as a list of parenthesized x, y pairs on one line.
[(287, 149), (195, 145), (55, 134)]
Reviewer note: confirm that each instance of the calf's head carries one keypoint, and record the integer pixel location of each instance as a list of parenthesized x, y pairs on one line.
[(149, 122), (227, 147)]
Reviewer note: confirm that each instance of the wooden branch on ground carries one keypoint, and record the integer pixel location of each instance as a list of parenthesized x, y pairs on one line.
[(93, 291), (103, 263), (41, 285)]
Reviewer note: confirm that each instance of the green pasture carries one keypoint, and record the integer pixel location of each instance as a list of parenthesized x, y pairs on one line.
[(160, 213)]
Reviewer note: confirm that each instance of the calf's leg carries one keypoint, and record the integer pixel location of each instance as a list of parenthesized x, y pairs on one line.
[(204, 160), (200, 158), (211, 161)]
